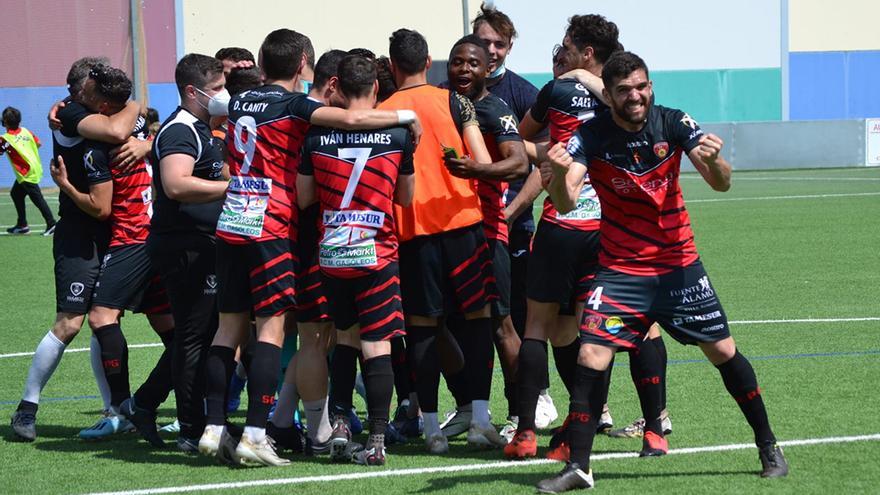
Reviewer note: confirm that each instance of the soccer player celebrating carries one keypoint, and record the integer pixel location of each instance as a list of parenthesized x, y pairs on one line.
[(566, 245), (467, 70), (650, 269), (444, 257), (80, 240), (358, 175), (190, 185), (254, 262)]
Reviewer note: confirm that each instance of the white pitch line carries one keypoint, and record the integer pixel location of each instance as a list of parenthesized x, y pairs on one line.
[(471, 467), (732, 322), (797, 196)]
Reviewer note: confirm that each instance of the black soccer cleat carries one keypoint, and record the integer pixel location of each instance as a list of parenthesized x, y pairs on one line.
[(144, 421), (572, 477), (286, 438), (24, 426), (773, 463)]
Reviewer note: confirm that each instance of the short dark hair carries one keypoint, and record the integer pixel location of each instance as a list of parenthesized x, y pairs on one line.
[(620, 65), (11, 117), (281, 52), (409, 51), (471, 39), (356, 76), (595, 31), (111, 83), (197, 70), (327, 67), (363, 52), (152, 115), (79, 71), (235, 54), (242, 79), (387, 86), (497, 20), (309, 50)]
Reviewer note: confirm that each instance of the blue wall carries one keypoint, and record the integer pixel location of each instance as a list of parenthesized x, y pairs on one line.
[(834, 85), (34, 104)]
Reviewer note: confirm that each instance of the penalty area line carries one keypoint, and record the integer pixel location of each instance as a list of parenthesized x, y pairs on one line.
[(471, 467)]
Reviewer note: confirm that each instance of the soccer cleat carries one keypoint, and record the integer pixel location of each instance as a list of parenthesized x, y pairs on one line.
[(606, 422), (653, 445), (286, 438), (545, 411), (339, 439), (314, 449), (773, 463), (572, 477), (171, 427), (24, 426), (393, 436), (561, 453), (373, 454), (188, 445), (217, 442), (236, 386), (49, 230), (437, 444), (411, 427), (250, 453), (109, 424), (484, 437), (19, 230), (524, 444), (636, 429), (560, 435), (509, 428), (144, 421), (457, 422)]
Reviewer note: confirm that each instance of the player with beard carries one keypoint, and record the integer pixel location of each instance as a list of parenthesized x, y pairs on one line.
[(256, 241), (650, 268), (355, 185), (80, 240), (467, 70)]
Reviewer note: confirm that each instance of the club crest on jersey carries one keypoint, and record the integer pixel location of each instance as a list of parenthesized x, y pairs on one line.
[(508, 123), (661, 149), (77, 288), (211, 280), (688, 121), (592, 322)]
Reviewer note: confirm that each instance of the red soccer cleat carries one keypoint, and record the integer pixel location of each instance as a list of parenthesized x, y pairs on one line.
[(653, 445), (524, 444)]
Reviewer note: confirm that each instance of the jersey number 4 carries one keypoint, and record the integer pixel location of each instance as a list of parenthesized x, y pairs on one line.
[(596, 298), (360, 156)]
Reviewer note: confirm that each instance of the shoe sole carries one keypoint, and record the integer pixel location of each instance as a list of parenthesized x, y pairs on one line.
[(20, 438), (652, 453), (338, 447)]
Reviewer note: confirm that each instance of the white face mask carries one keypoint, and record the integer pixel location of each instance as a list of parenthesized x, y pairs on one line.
[(218, 105)]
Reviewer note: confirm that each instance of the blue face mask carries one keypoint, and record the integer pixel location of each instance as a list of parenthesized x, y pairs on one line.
[(498, 72), (307, 85)]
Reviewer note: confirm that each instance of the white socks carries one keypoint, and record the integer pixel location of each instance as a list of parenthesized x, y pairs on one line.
[(98, 371), (316, 414), (46, 359), (432, 426), (256, 435)]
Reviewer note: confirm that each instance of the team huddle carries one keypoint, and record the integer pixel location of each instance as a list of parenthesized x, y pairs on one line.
[(294, 219)]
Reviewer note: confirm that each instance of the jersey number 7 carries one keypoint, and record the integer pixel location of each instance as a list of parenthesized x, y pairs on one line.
[(360, 156)]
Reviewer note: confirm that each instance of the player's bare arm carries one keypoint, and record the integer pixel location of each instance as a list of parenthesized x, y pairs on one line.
[(405, 189), (115, 128), (96, 203), (530, 191), (568, 177), (708, 161), (529, 127), (589, 80), (181, 185), (305, 191), (367, 119), (132, 151), (514, 164)]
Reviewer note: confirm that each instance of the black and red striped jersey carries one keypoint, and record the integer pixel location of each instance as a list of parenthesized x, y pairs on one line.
[(131, 203), (497, 124), (265, 133), (356, 174), (646, 229), (564, 104)]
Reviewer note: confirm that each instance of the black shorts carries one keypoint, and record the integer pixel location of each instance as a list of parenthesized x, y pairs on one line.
[(371, 301), (78, 249), (499, 296), (125, 273), (621, 308), (255, 277), (311, 304), (445, 273), (562, 265)]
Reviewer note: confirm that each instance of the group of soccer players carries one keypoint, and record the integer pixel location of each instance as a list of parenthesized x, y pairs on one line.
[(386, 221)]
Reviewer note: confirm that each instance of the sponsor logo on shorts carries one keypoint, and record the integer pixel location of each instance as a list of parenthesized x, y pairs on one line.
[(613, 325), (701, 292), (76, 290), (210, 285), (592, 322), (692, 318), (713, 328)]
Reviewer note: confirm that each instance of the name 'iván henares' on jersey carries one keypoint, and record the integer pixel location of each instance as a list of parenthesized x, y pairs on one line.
[(356, 138)]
